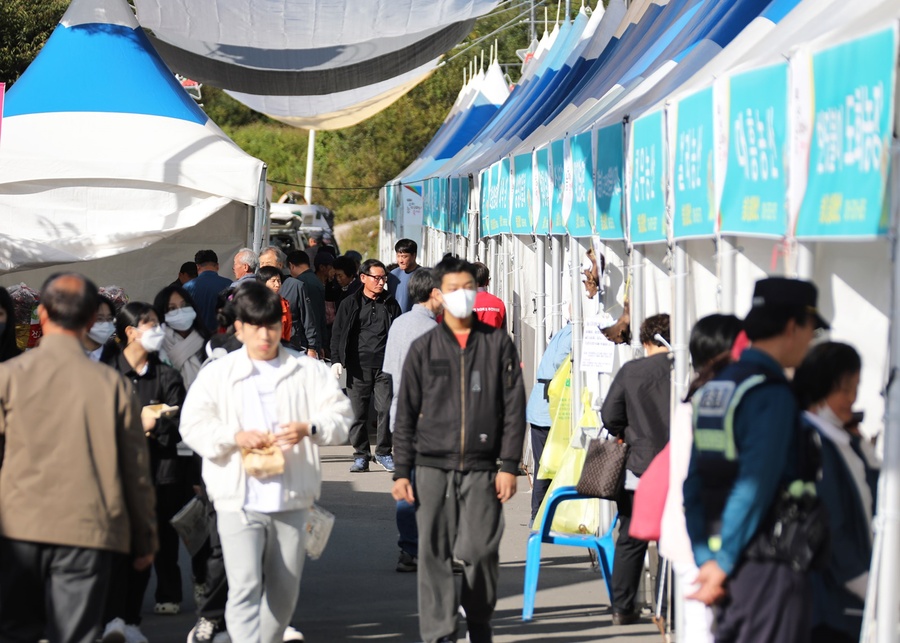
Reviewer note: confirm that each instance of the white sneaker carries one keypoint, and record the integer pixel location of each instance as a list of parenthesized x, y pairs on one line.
[(292, 634), (133, 634), (114, 632)]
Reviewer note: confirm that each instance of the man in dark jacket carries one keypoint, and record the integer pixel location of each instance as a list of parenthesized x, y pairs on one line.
[(461, 408), (358, 339), (637, 410)]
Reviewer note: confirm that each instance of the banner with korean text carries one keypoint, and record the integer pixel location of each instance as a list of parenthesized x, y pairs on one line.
[(647, 196), (558, 176), (541, 192), (693, 183), (520, 217), (849, 159), (753, 201), (608, 185), (581, 215)]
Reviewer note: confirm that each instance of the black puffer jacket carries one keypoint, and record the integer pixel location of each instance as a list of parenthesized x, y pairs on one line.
[(460, 408)]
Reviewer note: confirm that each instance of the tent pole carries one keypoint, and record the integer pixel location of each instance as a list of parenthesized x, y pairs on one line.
[(805, 261), (727, 252), (540, 298), (310, 158), (888, 515), (555, 283), (637, 299), (577, 330), (261, 219)]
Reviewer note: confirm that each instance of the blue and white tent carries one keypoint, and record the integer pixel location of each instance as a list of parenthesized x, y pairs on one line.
[(104, 153)]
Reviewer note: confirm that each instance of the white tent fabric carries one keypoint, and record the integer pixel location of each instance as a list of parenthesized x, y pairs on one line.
[(104, 153)]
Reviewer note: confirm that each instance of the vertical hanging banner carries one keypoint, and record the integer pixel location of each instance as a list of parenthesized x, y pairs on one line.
[(484, 178), (581, 216), (608, 185), (500, 198), (453, 206), (521, 199), (443, 203), (694, 171), (464, 200), (753, 202), (541, 193), (412, 203), (647, 197), (558, 176), (849, 160)]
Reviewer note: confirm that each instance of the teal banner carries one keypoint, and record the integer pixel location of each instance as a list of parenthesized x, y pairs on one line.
[(541, 191), (581, 218), (647, 199), (443, 198), (753, 202), (428, 217), (608, 186), (558, 172), (849, 159), (521, 198), (463, 215), (485, 198), (693, 186), (499, 219)]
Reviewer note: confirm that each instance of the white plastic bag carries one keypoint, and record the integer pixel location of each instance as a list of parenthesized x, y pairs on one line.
[(318, 530)]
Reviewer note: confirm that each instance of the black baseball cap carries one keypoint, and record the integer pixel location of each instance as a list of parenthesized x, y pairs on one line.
[(781, 292)]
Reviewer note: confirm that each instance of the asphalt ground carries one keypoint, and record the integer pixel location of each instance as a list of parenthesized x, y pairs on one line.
[(353, 593)]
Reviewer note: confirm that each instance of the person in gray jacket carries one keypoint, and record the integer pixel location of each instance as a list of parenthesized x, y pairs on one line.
[(424, 291), (461, 408)]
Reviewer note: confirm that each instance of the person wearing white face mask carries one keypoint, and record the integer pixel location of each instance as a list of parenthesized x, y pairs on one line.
[(96, 340), (184, 346), (153, 383), (461, 409)]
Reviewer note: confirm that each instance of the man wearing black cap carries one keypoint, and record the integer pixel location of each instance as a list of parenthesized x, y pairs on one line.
[(748, 450)]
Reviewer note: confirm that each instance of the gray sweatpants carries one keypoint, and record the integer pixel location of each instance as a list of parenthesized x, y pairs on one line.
[(264, 555), (458, 516)]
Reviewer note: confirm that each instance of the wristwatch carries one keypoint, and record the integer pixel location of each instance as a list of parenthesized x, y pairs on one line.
[(313, 429)]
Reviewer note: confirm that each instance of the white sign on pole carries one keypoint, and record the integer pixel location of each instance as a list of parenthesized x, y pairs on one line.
[(597, 352)]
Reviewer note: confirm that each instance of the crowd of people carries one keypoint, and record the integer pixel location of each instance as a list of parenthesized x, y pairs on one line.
[(223, 389)]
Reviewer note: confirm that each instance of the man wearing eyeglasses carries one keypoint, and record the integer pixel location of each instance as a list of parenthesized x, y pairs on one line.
[(358, 339)]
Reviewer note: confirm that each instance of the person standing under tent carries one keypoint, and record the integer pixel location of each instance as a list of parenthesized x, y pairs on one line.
[(358, 341), (636, 409), (748, 450), (425, 292), (246, 263), (303, 323), (97, 339), (826, 384), (261, 397), (315, 293), (205, 288), (406, 250), (488, 308), (461, 408)]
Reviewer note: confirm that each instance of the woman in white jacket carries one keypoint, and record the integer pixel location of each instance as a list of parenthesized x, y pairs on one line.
[(258, 397)]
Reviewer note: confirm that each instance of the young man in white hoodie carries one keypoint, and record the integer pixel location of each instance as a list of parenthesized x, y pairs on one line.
[(255, 397)]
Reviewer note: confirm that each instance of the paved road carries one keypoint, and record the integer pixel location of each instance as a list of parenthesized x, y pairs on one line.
[(353, 593)]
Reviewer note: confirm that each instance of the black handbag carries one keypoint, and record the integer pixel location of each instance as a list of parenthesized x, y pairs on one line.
[(604, 469), (795, 531)]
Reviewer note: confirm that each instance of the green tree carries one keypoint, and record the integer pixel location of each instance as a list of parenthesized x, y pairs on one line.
[(25, 26)]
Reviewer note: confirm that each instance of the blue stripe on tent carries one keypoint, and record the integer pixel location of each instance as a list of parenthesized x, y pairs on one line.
[(100, 68), (778, 9)]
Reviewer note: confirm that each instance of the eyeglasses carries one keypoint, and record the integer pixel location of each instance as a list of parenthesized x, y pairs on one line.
[(376, 277)]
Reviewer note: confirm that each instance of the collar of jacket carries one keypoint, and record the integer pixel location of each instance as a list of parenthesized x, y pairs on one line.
[(62, 343), (125, 367), (423, 310), (243, 365), (382, 298)]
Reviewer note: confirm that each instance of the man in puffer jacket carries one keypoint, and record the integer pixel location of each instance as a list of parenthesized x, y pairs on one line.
[(461, 408), (260, 397)]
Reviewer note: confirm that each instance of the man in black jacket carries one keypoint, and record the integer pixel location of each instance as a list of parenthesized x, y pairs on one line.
[(358, 338), (637, 410), (461, 408)]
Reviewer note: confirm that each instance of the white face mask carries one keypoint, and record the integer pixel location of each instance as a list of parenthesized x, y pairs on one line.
[(100, 332), (459, 303), (152, 339), (181, 318)]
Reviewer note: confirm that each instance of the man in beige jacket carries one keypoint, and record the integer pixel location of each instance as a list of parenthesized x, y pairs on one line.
[(74, 477)]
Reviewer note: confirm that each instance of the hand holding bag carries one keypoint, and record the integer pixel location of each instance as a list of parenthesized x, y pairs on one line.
[(263, 463), (604, 469)]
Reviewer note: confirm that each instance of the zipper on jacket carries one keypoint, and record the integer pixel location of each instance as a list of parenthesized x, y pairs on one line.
[(462, 389)]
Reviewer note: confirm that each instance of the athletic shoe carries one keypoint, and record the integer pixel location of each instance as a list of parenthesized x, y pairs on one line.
[(204, 631), (292, 634), (407, 562), (167, 609), (133, 634), (386, 462), (114, 632), (359, 465)]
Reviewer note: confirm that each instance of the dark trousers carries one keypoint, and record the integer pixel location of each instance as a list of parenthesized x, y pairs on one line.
[(459, 516), (628, 560), (767, 602), (128, 585), (212, 604), (539, 490), (51, 591), (170, 498), (406, 524), (362, 385)]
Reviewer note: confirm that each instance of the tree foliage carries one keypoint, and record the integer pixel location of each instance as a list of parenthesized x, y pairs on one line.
[(25, 26)]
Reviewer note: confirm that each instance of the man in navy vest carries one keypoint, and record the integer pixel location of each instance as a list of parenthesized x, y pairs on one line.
[(747, 450)]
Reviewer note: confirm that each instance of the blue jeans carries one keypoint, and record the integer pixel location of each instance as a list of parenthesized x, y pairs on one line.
[(406, 523)]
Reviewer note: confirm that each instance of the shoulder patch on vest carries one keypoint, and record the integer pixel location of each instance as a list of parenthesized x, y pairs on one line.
[(714, 398)]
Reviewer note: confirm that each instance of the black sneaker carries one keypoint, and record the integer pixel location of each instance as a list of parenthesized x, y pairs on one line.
[(204, 631), (407, 562)]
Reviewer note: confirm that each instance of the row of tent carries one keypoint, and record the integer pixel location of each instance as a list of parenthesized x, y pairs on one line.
[(792, 143)]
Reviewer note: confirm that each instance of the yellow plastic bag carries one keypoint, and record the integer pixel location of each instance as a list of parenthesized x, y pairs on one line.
[(572, 516), (559, 392)]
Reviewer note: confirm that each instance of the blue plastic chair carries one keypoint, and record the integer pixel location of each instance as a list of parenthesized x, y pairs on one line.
[(603, 545)]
